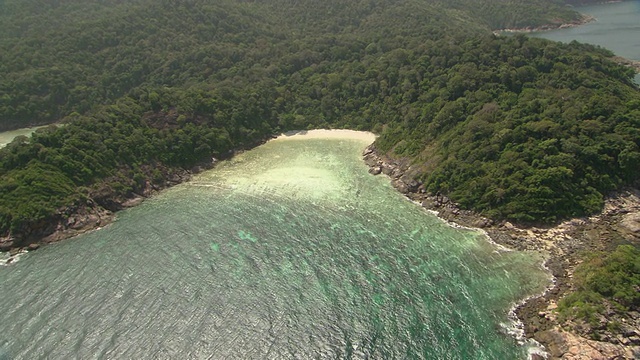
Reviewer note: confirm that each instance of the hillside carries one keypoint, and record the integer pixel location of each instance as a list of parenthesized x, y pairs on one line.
[(515, 128), (69, 56)]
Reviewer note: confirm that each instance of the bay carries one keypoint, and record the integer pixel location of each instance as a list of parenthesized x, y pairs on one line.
[(289, 251), (616, 28)]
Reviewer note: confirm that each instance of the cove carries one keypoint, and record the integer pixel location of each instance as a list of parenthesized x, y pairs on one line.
[(290, 250)]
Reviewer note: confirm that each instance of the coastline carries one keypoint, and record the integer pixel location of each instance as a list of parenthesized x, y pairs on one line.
[(102, 206), (535, 318), (584, 19), (562, 246), (634, 64)]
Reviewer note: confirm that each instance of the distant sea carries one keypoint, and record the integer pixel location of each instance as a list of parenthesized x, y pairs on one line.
[(617, 28)]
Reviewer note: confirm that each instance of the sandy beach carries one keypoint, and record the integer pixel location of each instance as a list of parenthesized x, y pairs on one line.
[(327, 134)]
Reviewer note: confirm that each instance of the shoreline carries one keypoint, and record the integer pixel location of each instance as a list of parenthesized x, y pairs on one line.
[(534, 316), (561, 246), (584, 19), (100, 207), (327, 134), (93, 214)]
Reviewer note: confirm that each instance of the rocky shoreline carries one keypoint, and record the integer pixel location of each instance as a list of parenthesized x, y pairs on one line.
[(563, 245), (584, 19), (87, 215), (627, 62)]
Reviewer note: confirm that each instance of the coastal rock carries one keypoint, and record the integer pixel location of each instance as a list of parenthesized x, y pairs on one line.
[(631, 223), (371, 160), (555, 342), (482, 223), (401, 186), (428, 203), (376, 170), (412, 185), (137, 200), (387, 170), (6, 245), (33, 246), (567, 346)]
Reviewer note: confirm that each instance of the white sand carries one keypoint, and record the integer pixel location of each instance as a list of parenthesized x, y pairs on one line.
[(327, 134)]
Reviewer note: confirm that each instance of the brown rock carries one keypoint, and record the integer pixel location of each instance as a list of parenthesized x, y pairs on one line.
[(33, 246), (554, 341), (631, 222), (427, 203), (6, 245)]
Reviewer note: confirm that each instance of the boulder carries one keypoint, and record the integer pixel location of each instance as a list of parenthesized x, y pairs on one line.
[(413, 185), (401, 186), (370, 159), (387, 170), (6, 245), (33, 246), (428, 204), (553, 341), (631, 222), (482, 223)]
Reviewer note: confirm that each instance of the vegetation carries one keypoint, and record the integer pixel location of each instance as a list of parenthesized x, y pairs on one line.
[(522, 132), (517, 128), (604, 281)]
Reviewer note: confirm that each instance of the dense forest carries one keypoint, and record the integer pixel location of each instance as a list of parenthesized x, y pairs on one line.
[(513, 127)]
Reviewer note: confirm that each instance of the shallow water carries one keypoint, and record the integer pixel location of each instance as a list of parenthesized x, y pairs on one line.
[(289, 251), (8, 136)]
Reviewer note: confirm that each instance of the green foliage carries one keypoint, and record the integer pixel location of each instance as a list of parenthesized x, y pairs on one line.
[(31, 195), (613, 277), (517, 128), (504, 14)]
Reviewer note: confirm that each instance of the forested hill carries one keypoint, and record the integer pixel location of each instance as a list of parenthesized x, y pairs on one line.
[(57, 57), (517, 128)]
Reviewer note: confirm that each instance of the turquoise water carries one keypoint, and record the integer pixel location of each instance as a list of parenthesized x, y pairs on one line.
[(289, 251), (617, 28)]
